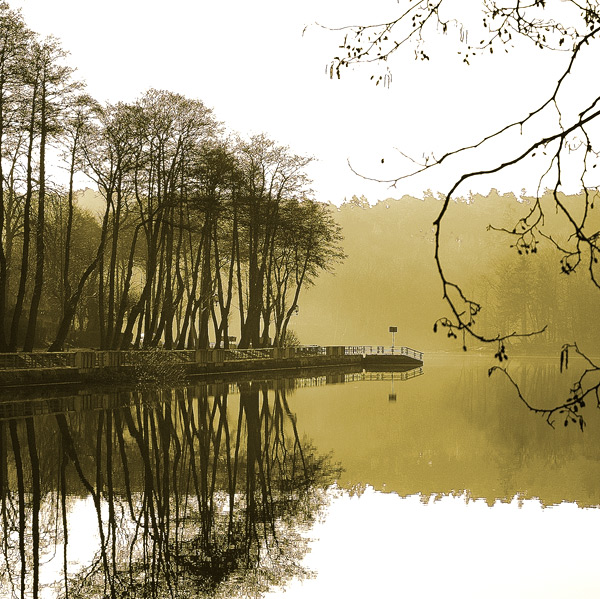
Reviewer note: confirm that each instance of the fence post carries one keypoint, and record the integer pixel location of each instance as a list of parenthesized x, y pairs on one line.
[(215, 356), (283, 353), (201, 356), (85, 360), (115, 358), (335, 350)]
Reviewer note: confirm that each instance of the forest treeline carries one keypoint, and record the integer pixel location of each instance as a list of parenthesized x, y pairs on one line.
[(199, 229), (204, 237), (390, 279)]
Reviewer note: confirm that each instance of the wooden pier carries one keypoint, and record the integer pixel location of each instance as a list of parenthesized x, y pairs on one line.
[(92, 365)]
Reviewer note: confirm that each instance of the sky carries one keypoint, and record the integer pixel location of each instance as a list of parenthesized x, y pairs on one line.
[(262, 66)]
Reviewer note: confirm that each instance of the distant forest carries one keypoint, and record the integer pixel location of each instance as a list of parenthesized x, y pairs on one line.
[(389, 279), (203, 237), (199, 229)]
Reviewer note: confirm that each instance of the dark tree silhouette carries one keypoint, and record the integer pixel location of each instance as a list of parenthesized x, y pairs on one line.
[(193, 494), (189, 227)]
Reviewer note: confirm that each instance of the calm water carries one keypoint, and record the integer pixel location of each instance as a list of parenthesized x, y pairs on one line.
[(433, 484)]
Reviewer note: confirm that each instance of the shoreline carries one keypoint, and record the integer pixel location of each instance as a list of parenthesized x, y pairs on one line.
[(116, 367)]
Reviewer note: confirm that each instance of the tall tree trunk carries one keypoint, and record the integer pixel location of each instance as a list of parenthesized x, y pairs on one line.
[(20, 300), (30, 336), (66, 273), (112, 267), (72, 301), (205, 286), (167, 307), (3, 263), (116, 340), (138, 309), (67, 257), (189, 309)]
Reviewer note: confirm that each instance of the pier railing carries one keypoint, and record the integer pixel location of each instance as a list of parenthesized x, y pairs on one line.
[(310, 350), (94, 359), (380, 350), (16, 361), (258, 353)]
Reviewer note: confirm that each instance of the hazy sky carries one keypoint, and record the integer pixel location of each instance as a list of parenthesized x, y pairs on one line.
[(251, 63)]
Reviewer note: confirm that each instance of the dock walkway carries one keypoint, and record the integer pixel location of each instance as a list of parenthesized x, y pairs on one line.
[(88, 365)]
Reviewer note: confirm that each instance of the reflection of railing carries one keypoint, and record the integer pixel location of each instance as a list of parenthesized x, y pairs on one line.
[(380, 350), (353, 377), (60, 405), (384, 376), (87, 402), (92, 359), (20, 408)]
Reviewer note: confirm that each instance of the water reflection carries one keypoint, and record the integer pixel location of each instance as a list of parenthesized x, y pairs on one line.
[(180, 494), (456, 431), (216, 490)]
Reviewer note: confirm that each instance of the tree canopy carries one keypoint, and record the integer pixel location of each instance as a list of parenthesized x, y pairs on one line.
[(202, 233)]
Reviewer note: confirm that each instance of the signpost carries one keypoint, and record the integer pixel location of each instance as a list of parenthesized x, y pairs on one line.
[(393, 331)]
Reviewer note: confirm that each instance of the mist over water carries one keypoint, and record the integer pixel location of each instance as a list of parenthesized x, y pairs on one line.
[(249, 489), (389, 278), (454, 430)]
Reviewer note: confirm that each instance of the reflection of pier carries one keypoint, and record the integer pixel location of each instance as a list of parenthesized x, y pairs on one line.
[(385, 376), (61, 400), (397, 374)]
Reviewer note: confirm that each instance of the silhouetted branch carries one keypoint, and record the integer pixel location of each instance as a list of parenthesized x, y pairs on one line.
[(570, 410), (535, 22)]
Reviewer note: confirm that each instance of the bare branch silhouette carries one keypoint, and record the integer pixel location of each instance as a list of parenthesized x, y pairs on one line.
[(568, 28)]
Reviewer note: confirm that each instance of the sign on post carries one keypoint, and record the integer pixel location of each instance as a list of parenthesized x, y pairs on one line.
[(393, 331)]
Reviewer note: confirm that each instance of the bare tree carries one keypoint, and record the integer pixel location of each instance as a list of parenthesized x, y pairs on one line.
[(14, 40), (75, 127), (570, 29), (55, 85), (272, 176), (308, 242)]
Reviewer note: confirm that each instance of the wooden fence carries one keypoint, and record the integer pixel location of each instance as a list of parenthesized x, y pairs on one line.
[(96, 359)]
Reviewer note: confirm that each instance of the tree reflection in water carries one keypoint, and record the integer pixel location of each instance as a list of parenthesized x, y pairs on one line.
[(193, 495)]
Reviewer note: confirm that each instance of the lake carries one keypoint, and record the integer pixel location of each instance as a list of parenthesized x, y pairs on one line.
[(436, 482)]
